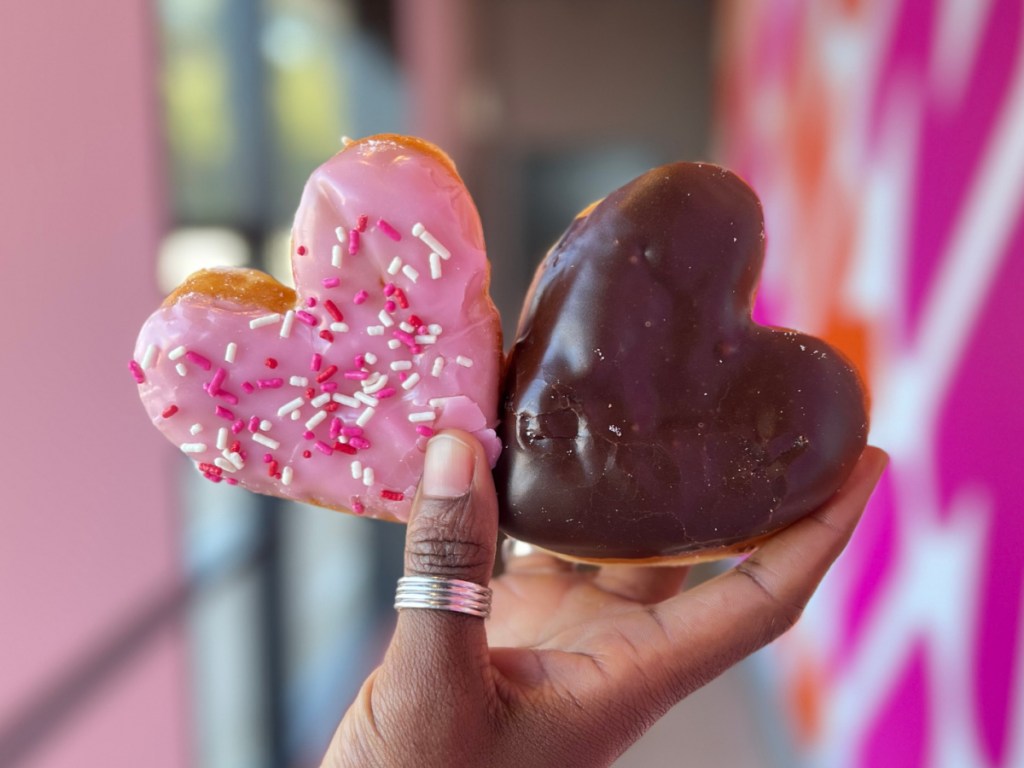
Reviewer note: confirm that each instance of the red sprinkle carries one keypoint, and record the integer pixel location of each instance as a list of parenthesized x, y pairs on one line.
[(343, 448), (353, 242), (333, 311), (272, 468), (306, 454), (211, 469), (315, 362), (223, 412), (361, 222), (235, 446), (360, 297), (414, 321), (310, 393), (197, 359), (169, 411), (301, 250), (137, 373), (388, 230), (332, 406), (326, 373), (357, 507), (270, 363), (403, 302), (392, 495), (327, 336)]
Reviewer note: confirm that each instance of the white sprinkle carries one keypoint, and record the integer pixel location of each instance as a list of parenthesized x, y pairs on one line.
[(432, 241), (385, 318), (177, 352), (370, 358), (222, 438), (377, 385), (259, 322), (230, 351), (224, 464), (401, 365), (316, 419), (339, 232), (368, 477), (375, 330), (286, 476), (295, 415), (435, 266), (394, 344), (298, 381), (196, 428), (193, 447), (339, 327), (336, 256), (422, 416), (236, 458), (290, 406), (150, 356), (435, 329), (320, 400), (181, 369), (425, 338), (351, 402), (365, 417), (411, 381), (465, 362), (366, 399), (357, 469), (270, 442), (406, 327), (411, 273), (370, 380), (438, 367), (286, 326), (395, 265), (437, 402), (266, 425), (418, 229)]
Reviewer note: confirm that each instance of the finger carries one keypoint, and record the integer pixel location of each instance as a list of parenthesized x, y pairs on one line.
[(452, 533), (642, 584), (711, 627), (522, 558)]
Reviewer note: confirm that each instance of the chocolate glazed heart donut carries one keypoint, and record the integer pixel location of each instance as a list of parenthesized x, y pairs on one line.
[(645, 415)]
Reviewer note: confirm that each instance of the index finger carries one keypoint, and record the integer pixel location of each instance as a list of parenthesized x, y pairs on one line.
[(718, 623)]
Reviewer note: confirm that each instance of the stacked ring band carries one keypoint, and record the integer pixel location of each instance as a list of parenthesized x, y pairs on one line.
[(441, 594)]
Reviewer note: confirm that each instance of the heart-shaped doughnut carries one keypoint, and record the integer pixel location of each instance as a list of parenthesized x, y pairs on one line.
[(328, 393), (645, 415)]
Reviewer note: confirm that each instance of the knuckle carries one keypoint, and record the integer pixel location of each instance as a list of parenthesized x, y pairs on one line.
[(783, 614), (435, 546)]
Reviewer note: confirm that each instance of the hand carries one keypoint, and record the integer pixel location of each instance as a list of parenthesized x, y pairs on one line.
[(572, 667)]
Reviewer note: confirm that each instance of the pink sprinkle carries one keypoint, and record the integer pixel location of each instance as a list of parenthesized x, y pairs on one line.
[(254, 423), (361, 222), (351, 431), (228, 397), (386, 393), (331, 282), (329, 386), (230, 481), (424, 430), (360, 297), (311, 302), (415, 349), (389, 289), (248, 387), (335, 428), (304, 316), (359, 361), (269, 383), (324, 447), (267, 458), (308, 434), (353, 241), (359, 442), (197, 359), (388, 230), (213, 387), (357, 375), (402, 375), (137, 373), (315, 362), (390, 306), (237, 427), (405, 338), (223, 412), (357, 507)]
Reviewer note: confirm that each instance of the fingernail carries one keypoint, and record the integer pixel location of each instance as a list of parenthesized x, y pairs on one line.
[(448, 467)]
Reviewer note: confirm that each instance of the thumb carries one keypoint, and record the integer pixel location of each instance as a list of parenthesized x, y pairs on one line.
[(452, 533)]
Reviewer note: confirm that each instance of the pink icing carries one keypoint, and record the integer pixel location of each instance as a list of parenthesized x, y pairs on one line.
[(446, 316)]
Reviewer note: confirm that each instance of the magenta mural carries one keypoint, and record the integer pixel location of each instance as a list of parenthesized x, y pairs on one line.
[(886, 140)]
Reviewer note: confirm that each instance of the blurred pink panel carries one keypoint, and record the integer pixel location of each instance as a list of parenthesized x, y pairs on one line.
[(88, 537)]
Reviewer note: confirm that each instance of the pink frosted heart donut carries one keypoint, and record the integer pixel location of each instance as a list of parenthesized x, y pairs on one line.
[(328, 394)]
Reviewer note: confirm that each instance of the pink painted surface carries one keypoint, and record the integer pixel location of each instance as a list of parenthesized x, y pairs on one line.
[(886, 139), (88, 535)]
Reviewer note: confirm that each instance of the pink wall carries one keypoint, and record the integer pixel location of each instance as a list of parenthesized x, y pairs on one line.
[(88, 533)]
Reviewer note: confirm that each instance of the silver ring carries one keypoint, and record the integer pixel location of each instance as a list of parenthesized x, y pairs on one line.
[(440, 594)]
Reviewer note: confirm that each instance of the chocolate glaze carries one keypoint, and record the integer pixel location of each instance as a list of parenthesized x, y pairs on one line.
[(644, 413)]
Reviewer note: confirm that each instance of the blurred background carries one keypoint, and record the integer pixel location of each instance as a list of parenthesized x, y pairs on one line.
[(149, 618)]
